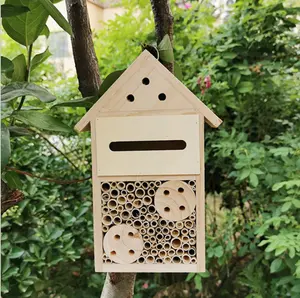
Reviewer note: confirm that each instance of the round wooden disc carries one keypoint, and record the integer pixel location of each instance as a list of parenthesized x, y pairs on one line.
[(175, 200), (123, 244)]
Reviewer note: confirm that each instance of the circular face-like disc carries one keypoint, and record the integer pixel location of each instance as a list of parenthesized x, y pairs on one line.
[(175, 200), (123, 244)]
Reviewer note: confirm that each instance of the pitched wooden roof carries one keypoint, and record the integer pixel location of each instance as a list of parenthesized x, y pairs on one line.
[(161, 92)]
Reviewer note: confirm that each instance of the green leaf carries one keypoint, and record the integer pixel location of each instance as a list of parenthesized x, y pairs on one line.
[(235, 78), (19, 73), (109, 80), (17, 131), (296, 288), (198, 282), (45, 31), (245, 87), (86, 102), (219, 251), (57, 16), (165, 50), (41, 121), (286, 206), (275, 265), (10, 272), (17, 89), (8, 10), (5, 146), (40, 58), (5, 264), (26, 28), (6, 65), (253, 179), (244, 174), (13, 180), (56, 234), (16, 252), (190, 276), (229, 55), (178, 72)]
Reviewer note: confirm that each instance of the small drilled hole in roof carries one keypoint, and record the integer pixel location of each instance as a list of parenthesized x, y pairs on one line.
[(145, 81), (162, 96), (166, 192), (130, 97), (117, 237), (167, 209), (180, 189), (182, 208), (113, 253), (130, 234), (131, 252)]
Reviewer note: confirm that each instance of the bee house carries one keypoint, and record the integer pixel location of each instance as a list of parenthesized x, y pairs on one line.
[(147, 136)]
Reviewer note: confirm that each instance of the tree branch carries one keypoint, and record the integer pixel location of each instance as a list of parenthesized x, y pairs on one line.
[(83, 48), (163, 23)]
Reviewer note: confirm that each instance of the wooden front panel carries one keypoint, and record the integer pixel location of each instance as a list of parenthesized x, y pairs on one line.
[(148, 145)]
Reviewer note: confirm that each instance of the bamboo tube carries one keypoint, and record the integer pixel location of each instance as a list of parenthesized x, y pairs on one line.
[(153, 224), (105, 196), (179, 225), (128, 206), (192, 252), (117, 220), (135, 213), (145, 185), (162, 254), (152, 239), (137, 224), (143, 231), (192, 241), (146, 237), (159, 236), (121, 200), (152, 184), (147, 245), (151, 209), (150, 259), (137, 203), (171, 224), (151, 231), (167, 260), (165, 231), (146, 224), (124, 192), (121, 185), (167, 237), (130, 197), (193, 260), (184, 231), (192, 233), (112, 204), (176, 260), (139, 192), (105, 228), (120, 208), (154, 252), (158, 229), (108, 261), (114, 193), (129, 222), (175, 233), (159, 261), (113, 212), (105, 186), (186, 259), (137, 184), (192, 217), (188, 224), (130, 187), (159, 246), (104, 210), (143, 210), (171, 252), (107, 220), (185, 238), (149, 217), (142, 217), (179, 252), (125, 215), (113, 184), (141, 260), (166, 246), (147, 200), (157, 183), (191, 182), (176, 243), (163, 223), (156, 216), (151, 191), (144, 253), (186, 246)]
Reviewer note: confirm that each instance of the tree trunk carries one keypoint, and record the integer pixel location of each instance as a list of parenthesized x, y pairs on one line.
[(163, 23)]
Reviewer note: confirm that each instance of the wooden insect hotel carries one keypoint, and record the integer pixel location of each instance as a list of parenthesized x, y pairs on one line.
[(147, 136)]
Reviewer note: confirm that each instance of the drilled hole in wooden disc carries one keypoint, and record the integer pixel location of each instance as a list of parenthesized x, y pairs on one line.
[(174, 200)]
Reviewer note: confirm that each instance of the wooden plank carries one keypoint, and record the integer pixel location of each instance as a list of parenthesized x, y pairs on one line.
[(147, 178), (200, 209), (151, 128), (97, 213), (149, 268)]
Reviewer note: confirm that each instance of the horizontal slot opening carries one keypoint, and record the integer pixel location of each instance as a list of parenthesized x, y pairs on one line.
[(147, 145)]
